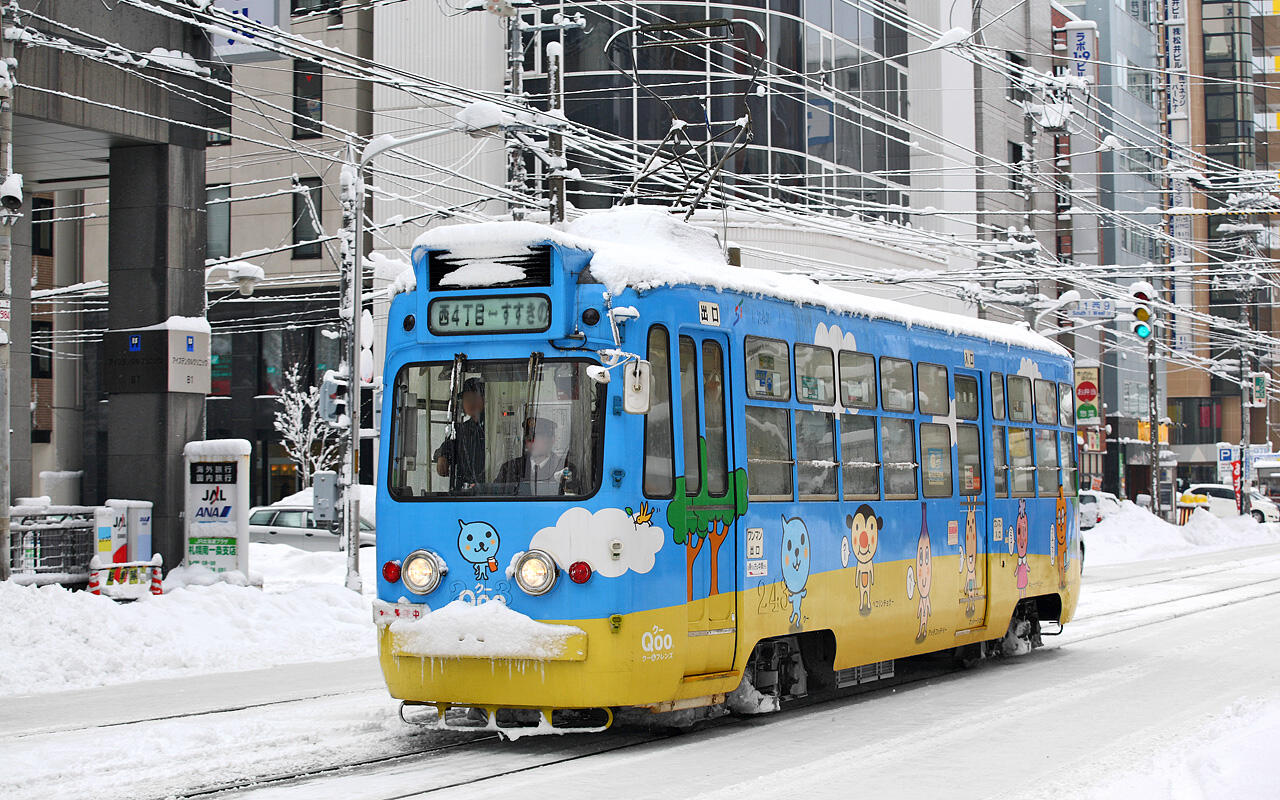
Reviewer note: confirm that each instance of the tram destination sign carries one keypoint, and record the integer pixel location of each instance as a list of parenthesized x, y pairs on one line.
[(456, 316)]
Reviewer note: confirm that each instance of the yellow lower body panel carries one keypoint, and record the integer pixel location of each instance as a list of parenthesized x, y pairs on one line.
[(638, 663)]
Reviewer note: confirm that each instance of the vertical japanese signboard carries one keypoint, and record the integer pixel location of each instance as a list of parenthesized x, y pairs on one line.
[(217, 504), (1088, 399)]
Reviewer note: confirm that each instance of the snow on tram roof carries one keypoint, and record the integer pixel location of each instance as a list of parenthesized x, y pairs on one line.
[(642, 247)]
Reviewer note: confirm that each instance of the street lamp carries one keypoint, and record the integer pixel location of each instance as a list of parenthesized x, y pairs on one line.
[(247, 276), (477, 120)]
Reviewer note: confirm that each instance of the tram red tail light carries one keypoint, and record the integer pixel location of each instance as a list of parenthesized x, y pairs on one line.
[(579, 572), (391, 572)]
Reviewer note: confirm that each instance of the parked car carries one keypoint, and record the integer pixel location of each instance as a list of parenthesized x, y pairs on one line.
[(1222, 502), (1096, 506), (294, 525)]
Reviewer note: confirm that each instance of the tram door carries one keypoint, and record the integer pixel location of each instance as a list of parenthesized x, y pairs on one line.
[(973, 524), (711, 549)]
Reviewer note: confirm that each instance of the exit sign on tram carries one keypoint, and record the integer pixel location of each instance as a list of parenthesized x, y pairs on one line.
[(1093, 309)]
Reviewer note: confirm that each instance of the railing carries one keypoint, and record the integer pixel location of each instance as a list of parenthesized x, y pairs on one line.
[(50, 544)]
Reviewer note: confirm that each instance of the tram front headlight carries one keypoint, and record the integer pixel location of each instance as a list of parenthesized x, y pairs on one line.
[(422, 571), (536, 572)]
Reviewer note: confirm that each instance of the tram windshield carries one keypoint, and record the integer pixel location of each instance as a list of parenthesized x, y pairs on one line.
[(496, 429)]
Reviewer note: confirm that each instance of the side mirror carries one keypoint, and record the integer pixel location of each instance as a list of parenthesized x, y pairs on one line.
[(635, 390)]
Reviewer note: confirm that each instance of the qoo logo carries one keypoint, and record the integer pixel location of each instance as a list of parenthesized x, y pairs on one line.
[(656, 644)]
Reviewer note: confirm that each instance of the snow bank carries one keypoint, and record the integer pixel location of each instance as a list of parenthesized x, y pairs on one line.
[(54, 640), (450, 632), (643, 247), (1134, 534)]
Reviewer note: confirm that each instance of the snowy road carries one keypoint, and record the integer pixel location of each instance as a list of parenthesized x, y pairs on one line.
[(1167, 683)]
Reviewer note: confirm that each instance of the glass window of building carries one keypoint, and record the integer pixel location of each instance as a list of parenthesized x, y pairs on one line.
[(308, 99), (218, 221), (305, 229)]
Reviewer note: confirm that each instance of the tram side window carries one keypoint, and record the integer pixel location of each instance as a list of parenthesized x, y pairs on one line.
[(768, 453), (1047, 462), (815, 375), (934, 397), (969, 455), (935, 451), (713, 403), (997, 395), (1046, 402), (1066, 406), (1021, 462), (816, 457), (857, 380), (897, 390), (768, 368), (1019, 399), (859, 457), (659, 449), (999, 463), (898, 443), (1069, 474), (966, 397), (689, 414)]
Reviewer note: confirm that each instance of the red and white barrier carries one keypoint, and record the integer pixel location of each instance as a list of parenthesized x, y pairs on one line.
[(131, 580)]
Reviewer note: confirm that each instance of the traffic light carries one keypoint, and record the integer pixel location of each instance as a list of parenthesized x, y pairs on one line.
[(333, 399), (1143, 296)]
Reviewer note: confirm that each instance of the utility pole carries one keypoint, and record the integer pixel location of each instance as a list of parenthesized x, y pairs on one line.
[(516, 177), (7, 217), (1153, 420), (349, 309), (1246, 432), (555, 177)]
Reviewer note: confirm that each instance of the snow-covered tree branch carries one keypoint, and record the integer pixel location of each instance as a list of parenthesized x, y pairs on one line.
[(307, 439)]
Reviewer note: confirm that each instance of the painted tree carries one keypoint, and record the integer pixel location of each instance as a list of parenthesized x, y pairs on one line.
[(701, 519), (307, 439)]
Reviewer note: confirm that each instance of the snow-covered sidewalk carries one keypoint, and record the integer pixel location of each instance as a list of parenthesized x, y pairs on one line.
[(1134, 534), (56, 640)]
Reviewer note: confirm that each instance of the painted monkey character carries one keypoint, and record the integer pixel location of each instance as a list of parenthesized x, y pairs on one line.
[(864, 533), (969, 560), (924, 575), (1022, 571), (795, 564), (478, 543)]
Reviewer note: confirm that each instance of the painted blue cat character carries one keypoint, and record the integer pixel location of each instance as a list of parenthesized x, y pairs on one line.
[(795, 564), (478, 543)]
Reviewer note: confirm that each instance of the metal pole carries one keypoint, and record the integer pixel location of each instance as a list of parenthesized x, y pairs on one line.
[(516, 178), (1246, 434), (6, 300), (352, 217), (1153, 417), (555, 178)]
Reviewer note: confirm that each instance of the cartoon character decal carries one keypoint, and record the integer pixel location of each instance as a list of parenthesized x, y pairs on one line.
[(1060, 530), (922, 581), (969, 560), (864, 533), (478, 543), (795, 564), (1019, 539)]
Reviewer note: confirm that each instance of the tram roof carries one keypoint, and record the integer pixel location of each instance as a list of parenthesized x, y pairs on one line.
[(641, 247)]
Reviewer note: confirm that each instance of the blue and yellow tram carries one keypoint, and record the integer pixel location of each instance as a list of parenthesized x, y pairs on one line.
[(817, 483)]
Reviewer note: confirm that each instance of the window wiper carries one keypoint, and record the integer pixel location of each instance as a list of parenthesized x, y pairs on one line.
[(531, 386), (455, 384)]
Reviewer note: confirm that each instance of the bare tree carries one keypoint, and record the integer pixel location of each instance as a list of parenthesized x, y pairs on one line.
[(307, 439)]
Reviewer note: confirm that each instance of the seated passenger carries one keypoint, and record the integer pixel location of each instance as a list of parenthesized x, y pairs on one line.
[(461, 456), (539, 471)]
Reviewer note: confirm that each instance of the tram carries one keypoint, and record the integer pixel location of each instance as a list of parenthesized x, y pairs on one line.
[(633, 476)]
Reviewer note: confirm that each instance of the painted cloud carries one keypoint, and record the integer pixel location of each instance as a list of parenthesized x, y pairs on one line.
[(580, 535)]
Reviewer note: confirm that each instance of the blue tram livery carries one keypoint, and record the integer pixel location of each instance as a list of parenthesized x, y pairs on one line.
[(609, 481)]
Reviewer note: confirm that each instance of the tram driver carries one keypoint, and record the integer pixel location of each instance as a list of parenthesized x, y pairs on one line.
[(461, 456), (539, 470)]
